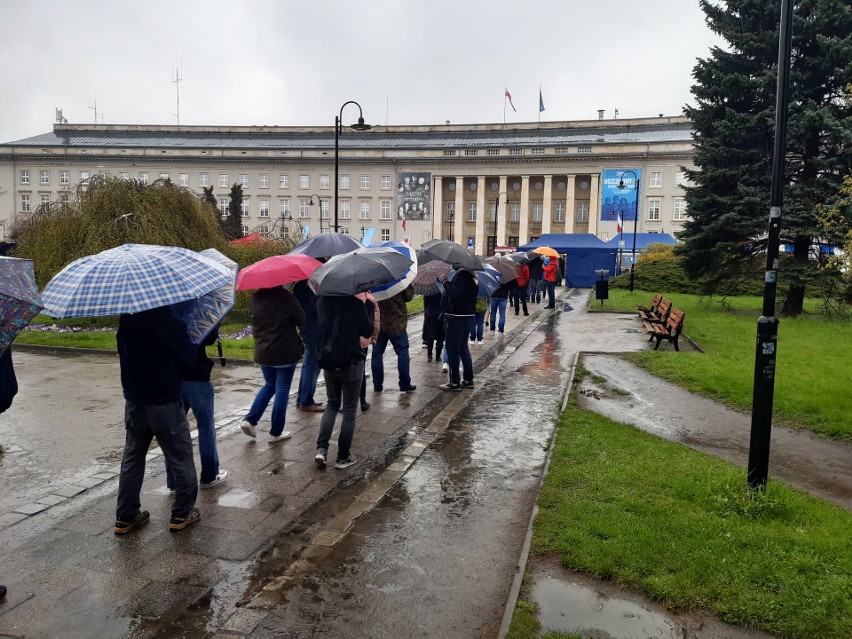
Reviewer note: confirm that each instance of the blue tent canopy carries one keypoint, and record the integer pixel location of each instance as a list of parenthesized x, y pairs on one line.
[(584, 254), (642, 240)]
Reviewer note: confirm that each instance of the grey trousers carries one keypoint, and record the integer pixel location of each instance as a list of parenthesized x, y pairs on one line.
[(343, 387), (166, 422)]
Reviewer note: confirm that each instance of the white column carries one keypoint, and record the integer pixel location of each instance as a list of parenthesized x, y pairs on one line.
[(501, 212), (438, 208), (458, 227), (524, 226), (479, 245), (547, 204), (594, 203), (570, 185)]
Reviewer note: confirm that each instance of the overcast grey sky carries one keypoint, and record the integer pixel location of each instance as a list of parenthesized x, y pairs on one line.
[(282, 62)]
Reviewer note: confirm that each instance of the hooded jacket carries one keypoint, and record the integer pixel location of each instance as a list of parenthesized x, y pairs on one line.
[(275, 314)]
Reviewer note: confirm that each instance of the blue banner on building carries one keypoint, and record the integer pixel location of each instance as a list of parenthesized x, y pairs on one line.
[(615, 200)]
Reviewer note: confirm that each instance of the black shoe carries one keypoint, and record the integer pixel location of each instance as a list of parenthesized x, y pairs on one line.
[(408, 389), (429, 357), (377, 389), (365, 406), (450, 387), (345, 463), (2, 594), (124, 527), (466, 384), (179, 523)]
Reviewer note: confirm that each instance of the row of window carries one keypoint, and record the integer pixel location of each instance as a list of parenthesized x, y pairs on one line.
[(385, 233), (582, 211), (344, 211), (517, 151)]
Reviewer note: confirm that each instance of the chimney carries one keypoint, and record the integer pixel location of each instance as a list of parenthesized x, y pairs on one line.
[(600, 114)]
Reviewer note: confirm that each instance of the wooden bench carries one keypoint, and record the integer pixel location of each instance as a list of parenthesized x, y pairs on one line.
[(659, 314), (669, 330), (655, 301)]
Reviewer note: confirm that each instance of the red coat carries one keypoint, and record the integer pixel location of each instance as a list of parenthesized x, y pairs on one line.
[(549, 271), (523, 275)]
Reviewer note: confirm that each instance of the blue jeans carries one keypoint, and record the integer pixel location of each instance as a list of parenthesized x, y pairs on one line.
[(277, 381), (477, 326), (458, 328), (551, 294), (498, 304), (308, 378), (199, 397), (166, 422), (399, 341), (343, 387)]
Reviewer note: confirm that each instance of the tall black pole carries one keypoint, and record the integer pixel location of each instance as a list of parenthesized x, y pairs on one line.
[(635, 223), (767, 324), (336, 166)]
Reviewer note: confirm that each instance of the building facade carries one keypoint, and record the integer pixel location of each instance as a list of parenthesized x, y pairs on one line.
[(485, 186)]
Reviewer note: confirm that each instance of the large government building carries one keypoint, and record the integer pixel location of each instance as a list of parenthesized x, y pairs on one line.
[(484, 185)]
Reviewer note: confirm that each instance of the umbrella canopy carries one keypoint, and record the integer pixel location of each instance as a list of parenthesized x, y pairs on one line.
[(359, 271), (426, 280), (19, 298), (130, 279), (387, 291), (327, 244), (252, 237), (520, 258), (508, 268), (488, 281), (546, 251), (450, 252), (202, 315), (277, 271)]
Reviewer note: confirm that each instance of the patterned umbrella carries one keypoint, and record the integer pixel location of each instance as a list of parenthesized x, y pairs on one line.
[(205, 313), (327, 244), (277, 271), (130, 279), (425, 282), (508, 268), (387, 291), (358, 271), (19, 298)]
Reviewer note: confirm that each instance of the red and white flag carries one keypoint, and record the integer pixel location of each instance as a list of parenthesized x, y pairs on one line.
[(620, 223), (509, 96), (403, 224)]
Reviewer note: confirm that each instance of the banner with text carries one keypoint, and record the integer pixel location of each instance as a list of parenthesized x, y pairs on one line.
[(615, 200)]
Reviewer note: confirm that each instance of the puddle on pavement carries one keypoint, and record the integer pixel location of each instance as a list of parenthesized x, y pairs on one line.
[(238, 498)]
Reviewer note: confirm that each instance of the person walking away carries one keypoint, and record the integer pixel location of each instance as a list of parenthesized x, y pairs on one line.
[(458, 304), (8, 390), (535, 280), (520, 291), (477, 326), (498, 305), (433, 326), (154, 350), (365, 344), (309, 332), (343, 320), (549, 275), (275, 315), (394, 323)]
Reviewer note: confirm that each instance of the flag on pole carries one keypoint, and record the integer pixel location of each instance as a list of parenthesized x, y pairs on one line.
[(509, 96), (540, 101), (620, 223), (403, 224)]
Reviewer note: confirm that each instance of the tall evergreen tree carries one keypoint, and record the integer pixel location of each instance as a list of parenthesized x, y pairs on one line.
[(233, 226), (734, 121)]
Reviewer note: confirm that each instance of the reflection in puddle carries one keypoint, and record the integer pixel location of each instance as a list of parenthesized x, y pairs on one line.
[(238, 498)]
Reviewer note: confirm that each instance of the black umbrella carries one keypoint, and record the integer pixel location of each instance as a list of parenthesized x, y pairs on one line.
[(326, 245), (449, 252), (359, 271), (520, 258)]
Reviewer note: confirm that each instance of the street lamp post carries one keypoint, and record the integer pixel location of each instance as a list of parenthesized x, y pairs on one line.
[(635, 222), (319, 207), (497, 212), (359, 126)]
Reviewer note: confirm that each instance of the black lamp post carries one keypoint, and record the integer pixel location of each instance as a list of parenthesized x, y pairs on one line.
[(359, 126), (319, 206), (497, 213), (635, 222)]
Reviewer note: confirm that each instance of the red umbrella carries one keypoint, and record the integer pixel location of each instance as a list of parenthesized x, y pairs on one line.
[(276, 271)]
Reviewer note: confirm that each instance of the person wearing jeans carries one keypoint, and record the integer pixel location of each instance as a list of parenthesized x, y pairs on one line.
[(458, 304), (477, 326), (393, 318), (549, 272), (276, 383), (309, 333), (498, 305)]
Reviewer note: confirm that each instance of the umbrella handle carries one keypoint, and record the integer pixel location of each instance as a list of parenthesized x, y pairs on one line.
[(222, 360)]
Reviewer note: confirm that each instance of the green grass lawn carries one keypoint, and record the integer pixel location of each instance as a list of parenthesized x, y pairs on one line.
[(813, 368), (682, 527)]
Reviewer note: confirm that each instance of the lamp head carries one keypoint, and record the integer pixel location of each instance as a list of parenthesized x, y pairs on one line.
[(621, 184), (361, 125)]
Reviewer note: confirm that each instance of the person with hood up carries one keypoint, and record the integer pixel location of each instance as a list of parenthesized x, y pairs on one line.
[(458, 304)]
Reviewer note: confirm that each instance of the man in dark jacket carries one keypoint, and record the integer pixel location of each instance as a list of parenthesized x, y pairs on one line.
[(342, 321), (393, 313), (154, 349), (459, 306), (309, 330), (8, 390)]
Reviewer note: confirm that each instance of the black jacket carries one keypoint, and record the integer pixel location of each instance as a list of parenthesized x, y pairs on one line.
[(275, 314), (200, 369), (155, 352), (8, 381), (342, 321), (309, 330), (459, 296)]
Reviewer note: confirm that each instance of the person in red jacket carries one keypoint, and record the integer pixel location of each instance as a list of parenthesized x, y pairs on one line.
[(549, 271), (519, 293)]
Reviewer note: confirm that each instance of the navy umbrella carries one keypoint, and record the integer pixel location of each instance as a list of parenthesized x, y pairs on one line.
[(327, 245)]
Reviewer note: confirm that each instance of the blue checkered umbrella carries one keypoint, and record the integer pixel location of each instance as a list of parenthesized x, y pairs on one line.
[(130, 279), (202, 315)]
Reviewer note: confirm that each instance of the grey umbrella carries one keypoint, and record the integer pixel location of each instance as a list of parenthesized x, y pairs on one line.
[(327, 244), (359, 271), (449, 252), (520, 258)]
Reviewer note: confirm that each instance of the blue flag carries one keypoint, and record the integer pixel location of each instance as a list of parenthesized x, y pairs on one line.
[(540, 101)]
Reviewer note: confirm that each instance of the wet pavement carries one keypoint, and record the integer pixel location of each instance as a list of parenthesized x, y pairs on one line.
[(425, 536)]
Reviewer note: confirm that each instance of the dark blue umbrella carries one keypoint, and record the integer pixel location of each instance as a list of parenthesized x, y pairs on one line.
[(327, 245), (489, 281)]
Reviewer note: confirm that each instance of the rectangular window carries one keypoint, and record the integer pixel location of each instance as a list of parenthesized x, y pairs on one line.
[(584, 149), (223, 206), (344, 230), (680, 209), (84, 176), (470, 152), (365, 182), (25, 202), (344, 182), (537, 209), (582, 212), (264, 207), (283, 181), (244, 180), (124, 175), (385, 235), (324, 181), (492, 213), (559, 213), (284, 208), (183, 179), (514, 212), (44, 177), (63, 178), (364, 214), (304, 181), (493, 152), (656, 180), (25, 176), (345, 210), (516, 151), (223, 179), (304, 210), (561, 150), (385, 210), (245, 230), (164, 175), (449, 152), (514, 240), (537, 151), (653, 209), (144, 177), (203, 179), (45, 199), (451, 211), (263, 180), (244, 208), (386, 182), (471, 211), (324, 209), (681, 178)]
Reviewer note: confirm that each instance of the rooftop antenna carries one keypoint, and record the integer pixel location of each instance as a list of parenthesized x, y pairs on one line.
[(616, 114), (95, 107), (177, 73)]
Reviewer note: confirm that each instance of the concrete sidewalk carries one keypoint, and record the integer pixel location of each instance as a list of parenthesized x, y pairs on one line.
[(69, 575)]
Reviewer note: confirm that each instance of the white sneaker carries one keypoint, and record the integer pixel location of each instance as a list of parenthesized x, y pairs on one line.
[(445, 366), (249, 429), (220, 477), (472, 342), (479, 343), (273, 439)]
